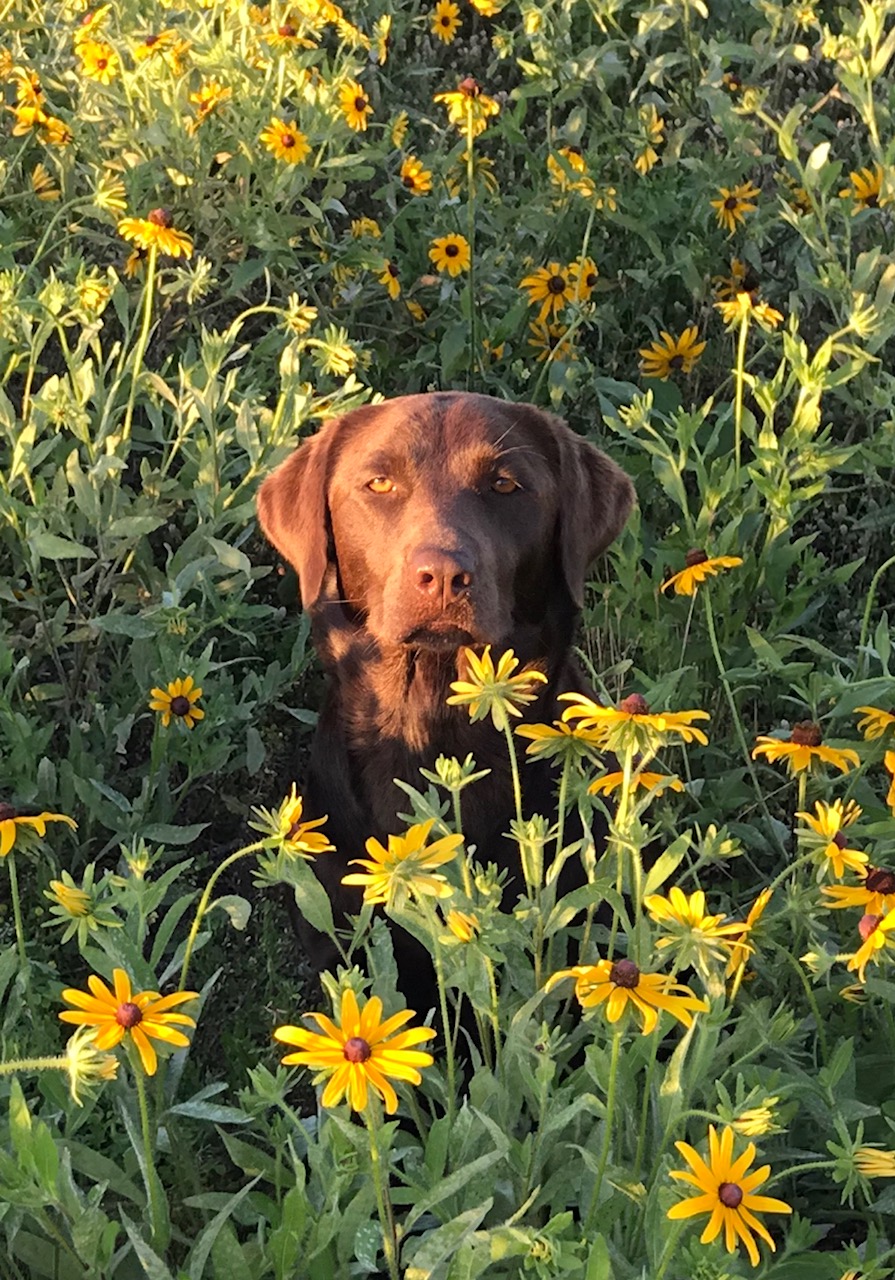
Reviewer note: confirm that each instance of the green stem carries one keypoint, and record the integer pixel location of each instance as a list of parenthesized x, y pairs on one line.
[(644, 1110), (590, 1221), (17, 908), (449, 1046), (458, 828), (470, 236), (383, 1198), (33, 1064), (155, 1207), (865, 621), (740, 377), (142, 340), (514, 768), (204, 900)]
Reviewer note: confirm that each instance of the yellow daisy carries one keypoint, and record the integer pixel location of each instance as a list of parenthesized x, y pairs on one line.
[(875, 896), (738, 944), (450, 254), (13, 824), (697, 938), (463, 925), (824, 835), (865, 188), (876, 934), (646, 781), (632, 724), (734, 203), (178, 699), (494, 691), (565, 741), (889, 762), (445, 20), (661, 359), (726, 1192), (415, 178), (360, 1053), (467, 103), (567, 158), (876, 723), (698, 568), (804, 749), (583, 276), (870, 1162), (620, 983), (745, 305), (551, 341), (99, 61), (355, 106), (389, 278), (285, 825), (158, 229), (408, 866), (285, 141), (551, 286), (143, 1016)]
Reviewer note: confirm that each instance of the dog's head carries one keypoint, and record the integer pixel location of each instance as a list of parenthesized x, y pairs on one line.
[(444, 519)]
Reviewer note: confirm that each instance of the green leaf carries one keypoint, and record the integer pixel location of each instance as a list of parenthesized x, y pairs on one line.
[(665, 866), (439, 1245), (237, 908), (153, 1267), (201, 1251), (49, 546)]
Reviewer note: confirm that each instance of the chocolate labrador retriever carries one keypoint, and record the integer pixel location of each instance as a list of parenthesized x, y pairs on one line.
[(417, 527)]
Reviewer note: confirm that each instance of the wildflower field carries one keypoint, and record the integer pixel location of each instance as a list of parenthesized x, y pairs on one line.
[(221, 223)]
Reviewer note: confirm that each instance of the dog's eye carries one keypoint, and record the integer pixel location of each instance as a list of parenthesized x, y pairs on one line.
[(380, 484), (504, 484)]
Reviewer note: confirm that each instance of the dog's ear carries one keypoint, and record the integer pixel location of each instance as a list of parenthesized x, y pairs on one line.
[(293, 513), (595, 500)]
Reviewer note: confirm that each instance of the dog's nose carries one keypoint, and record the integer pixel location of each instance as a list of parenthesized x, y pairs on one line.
[(442, 575)]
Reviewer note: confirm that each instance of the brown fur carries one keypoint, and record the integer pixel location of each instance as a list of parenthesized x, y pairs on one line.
[(397, 583)]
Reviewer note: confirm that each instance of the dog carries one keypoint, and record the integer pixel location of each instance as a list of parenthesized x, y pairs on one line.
[(417, 527)]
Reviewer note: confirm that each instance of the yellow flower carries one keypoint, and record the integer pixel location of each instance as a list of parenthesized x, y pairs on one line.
[(355, 106), (804, 749), (109, 194), (875, 896), (85, 1065), (178, 699), (463, 925), (445, 20), (91, 24), (416, 311), (873, 1163), (740, 280), (734, 203), (14, 824), (738, 944), (698, 568), (399, 128), (65, 894), (573, 160), (621, 983), (43, 184), (408, 865), (583, 276), (876, 723), (361, 227), (99, 61), (487, 8), (360, 1053), (756, 1121), (158, 229), (825, 836), (415, 178), (866, 185), (727, 1193), (495, 691), (653, 129), (298, 316), (552, 287), (889, 762), (93, 293), (285, 141), (210, 94), (144, 1016), (656, 782), (559, 740), (697, 938), (284, 824), (551, 341), (661, 359), (389, 277), (632, 725), (152, 45), (450, 254), (744, 305), (875, 931), (468, 103), (77, 908)]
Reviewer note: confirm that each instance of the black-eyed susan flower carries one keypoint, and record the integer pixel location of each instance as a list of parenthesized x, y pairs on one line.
[(99, 61), (488, 8), (464, 925), (876, 933), (86, 1066), (874, 896), (631, 725), (583, 277), (739, 944), (287, 36), (14, 826), (415, 177), (91, 24), (109, 194), (210, 94), (400, 125), (742, 279), (551, 286), (871, 1162), (142, 1016), (365, 228), (823, 833), (445, 21), (745, 306), (695, 937), (671, 355), (619, 984), (876, 723), (652, 128), (285, 141), (355, 106), (285, 826), (409, 866), (360, 1053), (93, 293), (560, 741), (494, 691), (754, 1122), (698, 567), (641, 779), (551, 341), (567, 167), (178, 700), (726, 1192), (451, 254), (889, 763), (468, 107), (864, 189), (734, 203), (43, 184), (153, 45), (389, 277), (79, 908), (804, 749), (483, 175), (157, 229)]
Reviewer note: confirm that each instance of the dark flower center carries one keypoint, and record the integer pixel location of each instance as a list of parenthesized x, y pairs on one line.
[(6, 812), (590, 279), (676, 362), (357, 1050), (867, 925), (160, 218), (839, 840), (360, 103), (879, 879), (634, 705), (102, 63), (556, 284), (445, 20), (451, 250), (730, 1195), (180, 705), (469, 87), (806, 734), (696, 556), (409, 180), (287, 140), (150, 41), (286, 30), (128, 1014), (392, 270), (871, 200), (624, 973), (731, 202), (575, 151)]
